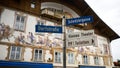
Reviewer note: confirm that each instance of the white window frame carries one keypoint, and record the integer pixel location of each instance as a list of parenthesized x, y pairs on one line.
[(71, 58), (19, 25), (38, 59), (96, 60), (15, 53), (85, 59), (59, 57)]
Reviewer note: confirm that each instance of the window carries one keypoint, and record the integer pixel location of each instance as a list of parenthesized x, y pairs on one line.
[(38, 55), (58, 57), (85, 59), (20, 22), (40, 22), (96, 60), (15, 53), (71, 58), (33, 3)]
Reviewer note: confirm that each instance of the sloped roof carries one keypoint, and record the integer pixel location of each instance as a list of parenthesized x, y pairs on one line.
[(98, 23)]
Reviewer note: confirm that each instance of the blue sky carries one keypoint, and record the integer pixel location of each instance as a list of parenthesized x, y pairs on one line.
[(109, 12)]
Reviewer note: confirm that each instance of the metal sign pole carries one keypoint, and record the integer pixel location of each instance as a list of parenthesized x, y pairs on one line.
[(64, 41)]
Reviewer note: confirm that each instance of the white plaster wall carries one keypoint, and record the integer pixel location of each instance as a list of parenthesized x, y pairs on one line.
[(101, 61), (79, 58), (28, 54), (7, 17), (3, 52), (91, 60), (30, 24), (48, 55)]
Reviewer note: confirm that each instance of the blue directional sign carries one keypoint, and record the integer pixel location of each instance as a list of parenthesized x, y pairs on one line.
[(49, 29), (79, 20)]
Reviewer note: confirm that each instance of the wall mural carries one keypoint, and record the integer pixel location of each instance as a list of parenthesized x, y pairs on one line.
[(5, 31), (89, 50), (46, 40), (31, 39)]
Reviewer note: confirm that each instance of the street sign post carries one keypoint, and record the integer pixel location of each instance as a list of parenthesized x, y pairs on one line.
[(79, 20), (72, 40), (49, 29)]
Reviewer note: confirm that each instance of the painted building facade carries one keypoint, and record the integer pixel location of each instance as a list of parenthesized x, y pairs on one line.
[(20, 43)]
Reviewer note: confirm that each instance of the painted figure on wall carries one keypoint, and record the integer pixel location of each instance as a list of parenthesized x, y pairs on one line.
[(30, 38), (20, 39), (5, 31), (40, 40), (81, 49)]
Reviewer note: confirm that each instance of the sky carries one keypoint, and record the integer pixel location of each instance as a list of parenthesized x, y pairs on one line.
[(109, 12)]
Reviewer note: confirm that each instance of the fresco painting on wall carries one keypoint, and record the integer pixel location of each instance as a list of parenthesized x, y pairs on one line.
[(30, 39), (5, 31)]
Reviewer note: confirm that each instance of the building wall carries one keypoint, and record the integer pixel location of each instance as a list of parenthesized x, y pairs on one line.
[(28, 54), (3, 52), (8, 18)]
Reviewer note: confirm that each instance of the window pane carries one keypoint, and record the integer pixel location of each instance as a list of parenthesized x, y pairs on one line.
[(18, 53), (12, 56), (40, 54), (17, 56), (18, 18), (36, 56), (13, 48), (18, 49), (36, 51), (40, 51), (22, 19), (12, 52), (22, 23), (56, 53)]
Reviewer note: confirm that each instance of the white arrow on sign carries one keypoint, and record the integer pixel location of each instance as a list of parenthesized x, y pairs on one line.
[(82, 41)]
